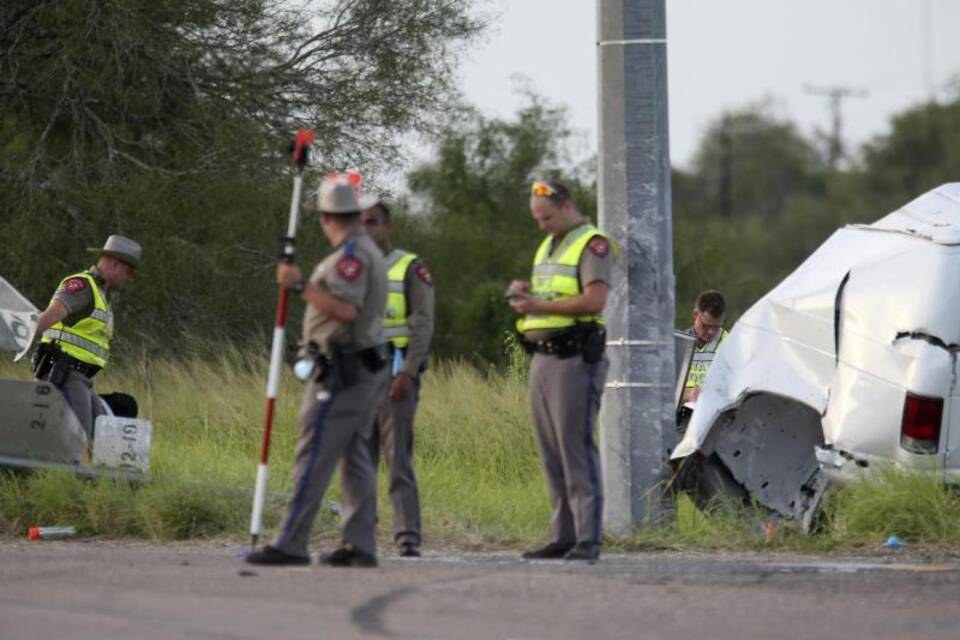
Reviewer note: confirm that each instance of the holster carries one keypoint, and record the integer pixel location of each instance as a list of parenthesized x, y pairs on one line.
[(49, 364), (342, 366), (594, 343)]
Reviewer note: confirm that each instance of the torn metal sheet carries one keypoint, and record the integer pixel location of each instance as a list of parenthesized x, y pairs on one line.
[(826, 358), (18, 318), (767, 444)]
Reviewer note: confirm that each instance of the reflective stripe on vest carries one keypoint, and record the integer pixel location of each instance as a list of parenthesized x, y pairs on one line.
[(556, 276), (89, 339), (395, 326), (702, 359)]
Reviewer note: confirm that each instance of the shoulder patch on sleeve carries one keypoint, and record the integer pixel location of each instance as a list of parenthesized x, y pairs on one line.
[(349, 267), (424, 274), (74, 285), (599, 246)]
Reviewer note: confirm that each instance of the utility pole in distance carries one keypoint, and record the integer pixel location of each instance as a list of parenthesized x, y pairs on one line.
[(637, 415), (836, 96)]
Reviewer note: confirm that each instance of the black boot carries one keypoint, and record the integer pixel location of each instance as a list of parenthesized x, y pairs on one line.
[(269, 555), (409, 550), (552, 551), (588, 551), (346, 557)]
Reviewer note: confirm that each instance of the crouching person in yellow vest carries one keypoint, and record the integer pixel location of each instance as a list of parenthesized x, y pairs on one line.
[(408, 327), (562, 324), (708, 313), (77, 328)]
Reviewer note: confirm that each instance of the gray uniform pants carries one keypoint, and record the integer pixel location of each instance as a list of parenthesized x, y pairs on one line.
[(78, 391), (393, 431), (335, 427), (565, 395)]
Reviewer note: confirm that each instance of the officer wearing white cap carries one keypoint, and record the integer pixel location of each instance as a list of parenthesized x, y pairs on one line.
[(408, 326), (562, 325), (346, 377), (77, 327)]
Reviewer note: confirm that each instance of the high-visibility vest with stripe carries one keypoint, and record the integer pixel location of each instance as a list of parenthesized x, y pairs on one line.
[(396, 329), (556, 275), (703, 356), (89, 339)]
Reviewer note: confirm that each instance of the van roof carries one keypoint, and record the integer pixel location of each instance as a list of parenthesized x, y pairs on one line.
[(934, 216)]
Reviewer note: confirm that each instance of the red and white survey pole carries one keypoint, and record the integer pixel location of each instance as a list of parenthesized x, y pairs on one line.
[(301, 153)]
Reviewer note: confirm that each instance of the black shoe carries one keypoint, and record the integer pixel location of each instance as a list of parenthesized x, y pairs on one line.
[(584, 551), (269, 555), (409, 550), (345, 557), (552, 551)]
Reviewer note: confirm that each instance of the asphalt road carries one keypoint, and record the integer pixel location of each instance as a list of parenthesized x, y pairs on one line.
[(96, 590)]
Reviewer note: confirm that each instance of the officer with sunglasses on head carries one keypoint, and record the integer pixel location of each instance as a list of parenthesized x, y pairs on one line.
[(562, 326)]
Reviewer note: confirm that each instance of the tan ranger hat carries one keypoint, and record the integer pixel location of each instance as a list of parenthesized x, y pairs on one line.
[(339, 193), (122, 248)]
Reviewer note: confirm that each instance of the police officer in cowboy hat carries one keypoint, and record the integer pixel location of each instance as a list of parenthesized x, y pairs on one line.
[(77, 328), (346, 378)]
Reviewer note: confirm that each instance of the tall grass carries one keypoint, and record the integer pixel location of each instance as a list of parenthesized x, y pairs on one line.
[(913, 506), (479, 473), (477, 466)]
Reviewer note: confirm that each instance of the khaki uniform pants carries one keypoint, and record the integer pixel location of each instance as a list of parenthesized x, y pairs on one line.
[(565, 395), (78, 391), (335, 427), (393, 432)]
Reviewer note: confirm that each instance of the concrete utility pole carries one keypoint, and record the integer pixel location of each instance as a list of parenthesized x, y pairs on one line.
[(836, 96), (637, 415)]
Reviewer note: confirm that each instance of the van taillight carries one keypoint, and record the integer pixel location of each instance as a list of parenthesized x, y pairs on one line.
[(920, 429)]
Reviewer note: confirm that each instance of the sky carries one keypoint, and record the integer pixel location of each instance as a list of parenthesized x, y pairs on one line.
[(730, 54)]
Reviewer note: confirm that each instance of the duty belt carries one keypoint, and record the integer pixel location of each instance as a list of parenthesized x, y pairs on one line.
[(50, 363), (562, 347), (569, 343), (88, 370)]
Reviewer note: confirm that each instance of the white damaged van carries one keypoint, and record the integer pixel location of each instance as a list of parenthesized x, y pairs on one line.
[(848, 364)]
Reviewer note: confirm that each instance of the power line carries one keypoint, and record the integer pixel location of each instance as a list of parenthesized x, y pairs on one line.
[(836, 96)]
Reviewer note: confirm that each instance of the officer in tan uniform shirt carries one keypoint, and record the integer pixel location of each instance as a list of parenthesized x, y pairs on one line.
[(562, 325), (343, 333), (409, 326)]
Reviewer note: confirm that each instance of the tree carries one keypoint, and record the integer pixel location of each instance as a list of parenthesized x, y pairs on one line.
[(921, 152), (169, 85), (167, 121), (750, 163), (469, 217)]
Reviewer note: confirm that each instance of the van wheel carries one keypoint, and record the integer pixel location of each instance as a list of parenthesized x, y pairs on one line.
[(706, 480)]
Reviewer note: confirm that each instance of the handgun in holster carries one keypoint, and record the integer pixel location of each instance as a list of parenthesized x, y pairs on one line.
[(49, 364)]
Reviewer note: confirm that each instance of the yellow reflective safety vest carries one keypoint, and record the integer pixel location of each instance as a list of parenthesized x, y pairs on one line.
[(556, 275), (395, 326), (703, 356), (89, 339)]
